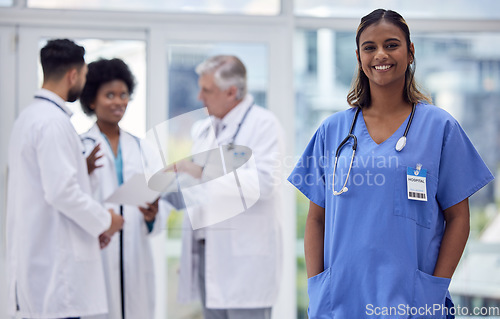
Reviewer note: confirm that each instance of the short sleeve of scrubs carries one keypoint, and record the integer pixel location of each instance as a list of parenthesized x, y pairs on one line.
[(309, 173), (462, 172)]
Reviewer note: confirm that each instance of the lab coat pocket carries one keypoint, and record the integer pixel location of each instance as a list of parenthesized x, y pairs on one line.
[(319, 289), (429, 295), (419, 211), (84, 246)]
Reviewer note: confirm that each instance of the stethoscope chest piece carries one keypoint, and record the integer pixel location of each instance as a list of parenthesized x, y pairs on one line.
[(401, 143)]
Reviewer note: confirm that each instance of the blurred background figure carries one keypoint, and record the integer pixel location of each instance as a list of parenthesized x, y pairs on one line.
[(234, 265), (113, 157), (53, 224), (300, 63)]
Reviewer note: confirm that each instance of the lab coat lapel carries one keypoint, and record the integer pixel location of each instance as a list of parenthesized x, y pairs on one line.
[(108, 160), (96, 134), (207, 139), (130, 151), (233, 119)]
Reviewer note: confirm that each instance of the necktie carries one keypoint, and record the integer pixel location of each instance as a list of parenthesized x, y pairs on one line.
[(219, 127)]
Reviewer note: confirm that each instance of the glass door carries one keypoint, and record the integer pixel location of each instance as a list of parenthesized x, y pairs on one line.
[(264, 53), (128, 45)]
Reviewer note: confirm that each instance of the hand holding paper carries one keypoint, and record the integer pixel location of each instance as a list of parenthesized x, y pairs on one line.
[(134, 192), (150, 211)]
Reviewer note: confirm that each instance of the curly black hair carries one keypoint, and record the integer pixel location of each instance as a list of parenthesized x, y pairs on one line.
[(101, 72)]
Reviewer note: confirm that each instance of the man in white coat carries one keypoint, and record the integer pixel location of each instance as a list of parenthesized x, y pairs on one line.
[(234, 265), (54, 228)]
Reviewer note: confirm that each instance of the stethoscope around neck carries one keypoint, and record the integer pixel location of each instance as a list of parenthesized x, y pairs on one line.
[(399, 147), (231, 143)]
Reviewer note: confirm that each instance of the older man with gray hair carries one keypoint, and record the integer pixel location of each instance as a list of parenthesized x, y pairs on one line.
[(235, 265)]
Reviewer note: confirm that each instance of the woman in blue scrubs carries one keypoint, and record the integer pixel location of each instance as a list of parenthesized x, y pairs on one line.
[(387, 227)]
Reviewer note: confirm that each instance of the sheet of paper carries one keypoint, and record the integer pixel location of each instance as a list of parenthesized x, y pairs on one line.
[(134, 192)]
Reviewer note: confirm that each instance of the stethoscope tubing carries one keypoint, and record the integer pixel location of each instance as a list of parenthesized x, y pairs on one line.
[(355, 146)]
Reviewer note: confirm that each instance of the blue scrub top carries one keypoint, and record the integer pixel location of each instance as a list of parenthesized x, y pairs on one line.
[(381, 247)]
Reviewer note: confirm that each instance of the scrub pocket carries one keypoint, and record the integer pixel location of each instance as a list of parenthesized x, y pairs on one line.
[(419, 211), (430, 292), (319, 289)]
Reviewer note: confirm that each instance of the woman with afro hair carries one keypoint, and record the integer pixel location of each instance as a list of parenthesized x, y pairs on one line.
[(113, 158)]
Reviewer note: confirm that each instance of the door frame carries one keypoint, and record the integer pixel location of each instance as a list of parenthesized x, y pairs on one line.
[(280, 100)]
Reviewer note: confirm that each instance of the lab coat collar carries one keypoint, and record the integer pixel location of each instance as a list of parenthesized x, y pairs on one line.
[(234, 117), (56, 99), (96, 134), (125, 139)]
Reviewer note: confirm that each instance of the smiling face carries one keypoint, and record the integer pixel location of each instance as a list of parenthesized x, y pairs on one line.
[(383, 55), (111, 102)]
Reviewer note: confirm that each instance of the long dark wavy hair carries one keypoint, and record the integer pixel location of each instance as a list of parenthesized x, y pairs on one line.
[(359, 95)]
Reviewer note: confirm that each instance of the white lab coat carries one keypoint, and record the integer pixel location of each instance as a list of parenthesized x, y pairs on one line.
[(138, 259), (53, 224), (243, 253)]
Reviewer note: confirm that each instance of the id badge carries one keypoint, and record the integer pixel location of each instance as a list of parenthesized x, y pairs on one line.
[(416, 180)]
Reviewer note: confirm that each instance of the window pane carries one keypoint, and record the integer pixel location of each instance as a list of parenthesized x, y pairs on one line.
[(249, 7), (481, 9), (183, 81), (324, 66), (133, 53), (6, 3), (461, 71)]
